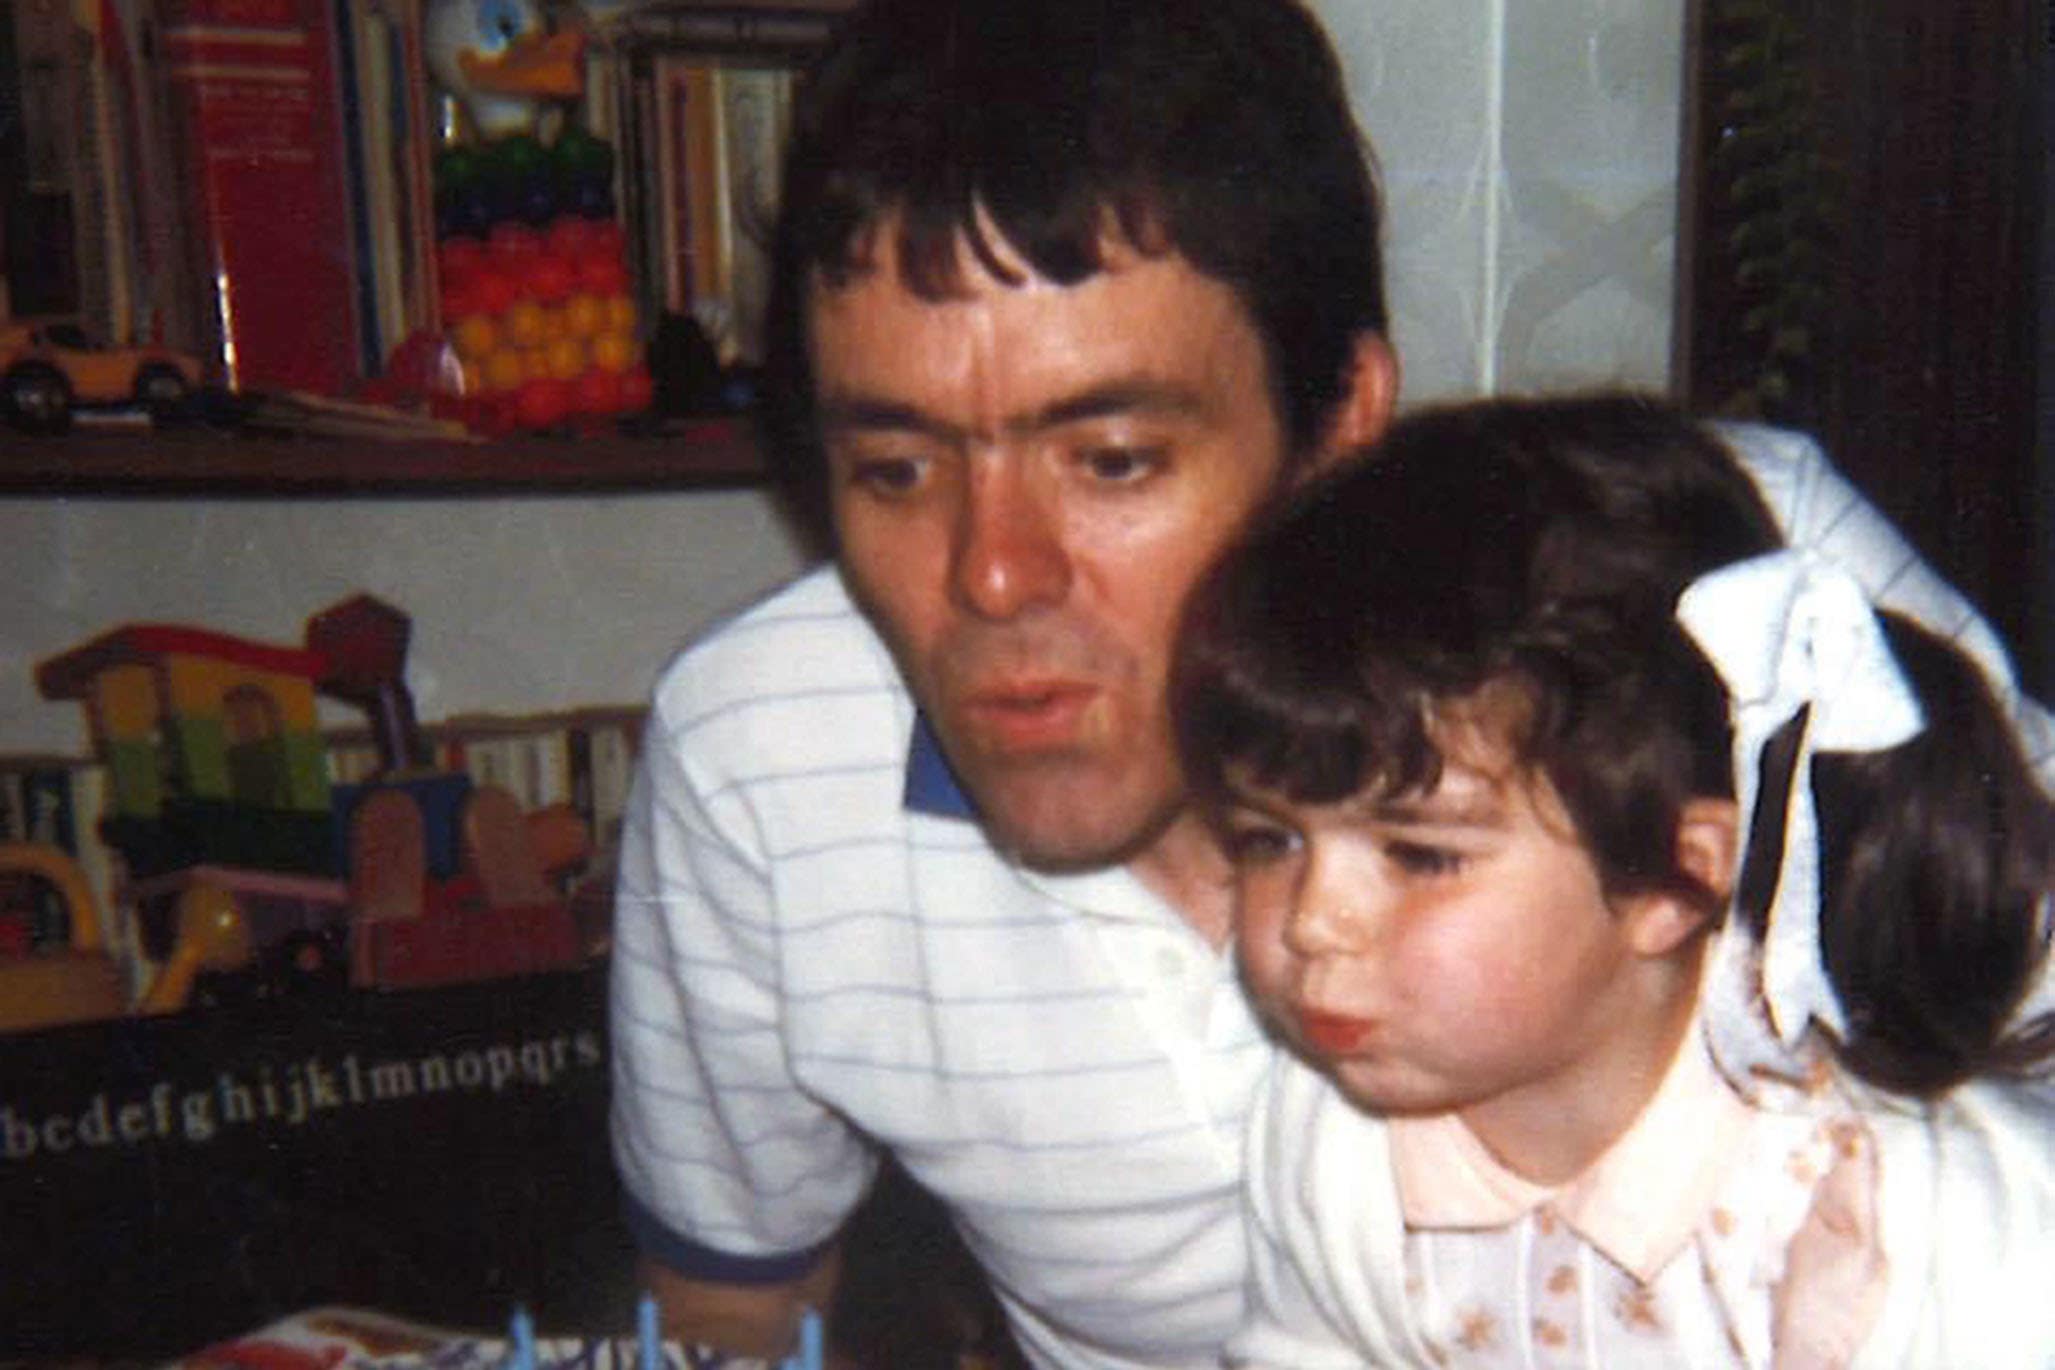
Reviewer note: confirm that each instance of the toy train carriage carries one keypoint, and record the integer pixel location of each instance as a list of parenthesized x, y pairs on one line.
[(212, 748)]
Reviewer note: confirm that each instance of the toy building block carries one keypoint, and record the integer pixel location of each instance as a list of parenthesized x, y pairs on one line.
[(498, 852)]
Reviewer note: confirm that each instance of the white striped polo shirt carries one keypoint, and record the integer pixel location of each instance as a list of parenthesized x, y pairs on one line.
[(811, 961)]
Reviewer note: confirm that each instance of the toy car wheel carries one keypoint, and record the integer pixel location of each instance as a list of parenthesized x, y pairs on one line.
[(161, 390), (36, 399)]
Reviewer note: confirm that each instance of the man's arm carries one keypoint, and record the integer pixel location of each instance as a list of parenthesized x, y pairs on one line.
[(749, 1320), (734, 1176)]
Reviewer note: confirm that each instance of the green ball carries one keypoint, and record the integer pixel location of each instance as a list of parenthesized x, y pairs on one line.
[(578, 153), (516, 159), (458, 170)]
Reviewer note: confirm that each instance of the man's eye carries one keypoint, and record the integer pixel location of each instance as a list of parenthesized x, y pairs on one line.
[(1257, 844), (1121, 465), (886, 475), (1418, 858)]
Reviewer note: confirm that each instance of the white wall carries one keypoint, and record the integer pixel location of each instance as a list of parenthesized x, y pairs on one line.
[(518, 604), (1528, 150)]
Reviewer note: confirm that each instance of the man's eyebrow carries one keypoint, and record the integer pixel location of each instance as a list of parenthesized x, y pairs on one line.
[(1138, 395), (862, 413), (1143, 396)]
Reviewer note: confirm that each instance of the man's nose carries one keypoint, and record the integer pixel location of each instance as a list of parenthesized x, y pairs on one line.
[(1010, 555)]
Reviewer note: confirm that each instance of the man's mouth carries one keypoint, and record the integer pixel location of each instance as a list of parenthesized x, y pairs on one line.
[(1030, 716), (1331, 1034)]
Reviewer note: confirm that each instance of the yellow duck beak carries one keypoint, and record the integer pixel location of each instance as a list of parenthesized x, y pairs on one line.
[(535, 63)]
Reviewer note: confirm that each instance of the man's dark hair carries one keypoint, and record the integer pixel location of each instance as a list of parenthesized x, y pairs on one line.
[(1215, 129)]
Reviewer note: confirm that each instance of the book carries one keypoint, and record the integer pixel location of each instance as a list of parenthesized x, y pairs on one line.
[(255, 133)]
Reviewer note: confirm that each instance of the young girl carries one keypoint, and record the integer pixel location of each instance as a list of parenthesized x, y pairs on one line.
[(1655, 927)]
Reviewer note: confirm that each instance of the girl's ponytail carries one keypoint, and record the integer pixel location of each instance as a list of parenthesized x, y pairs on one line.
[(1936, 861)]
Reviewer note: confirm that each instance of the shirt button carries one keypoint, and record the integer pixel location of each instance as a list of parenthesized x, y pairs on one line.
[(1170, 963)]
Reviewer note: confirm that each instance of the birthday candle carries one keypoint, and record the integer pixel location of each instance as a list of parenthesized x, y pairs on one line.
[(812, 1348), (812, 1351), (521, 1332), (649, 1345)]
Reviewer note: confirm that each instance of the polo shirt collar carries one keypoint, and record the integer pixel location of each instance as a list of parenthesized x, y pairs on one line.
[(931, 787), (1639, 1202)]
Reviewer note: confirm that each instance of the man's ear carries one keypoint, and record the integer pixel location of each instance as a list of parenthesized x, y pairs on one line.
[(1708, 850), (1370, 395)]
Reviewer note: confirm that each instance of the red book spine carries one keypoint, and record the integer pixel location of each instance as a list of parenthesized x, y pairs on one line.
[(258, 134)]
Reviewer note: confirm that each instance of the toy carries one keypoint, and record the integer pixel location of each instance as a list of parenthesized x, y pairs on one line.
[(46, 986), (249, 873), (531, 262), (50, 368)]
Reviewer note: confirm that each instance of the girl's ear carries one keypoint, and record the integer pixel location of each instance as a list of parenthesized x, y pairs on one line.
[(1708, 850)]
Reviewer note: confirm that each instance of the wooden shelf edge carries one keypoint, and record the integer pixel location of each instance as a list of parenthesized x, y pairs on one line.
[(705, 454)]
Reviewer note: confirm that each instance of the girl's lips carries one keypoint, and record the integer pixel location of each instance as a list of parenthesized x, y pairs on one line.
[(1332, 1034)]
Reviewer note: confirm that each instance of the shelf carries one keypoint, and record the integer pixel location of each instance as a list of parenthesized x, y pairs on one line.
[(697, 455)]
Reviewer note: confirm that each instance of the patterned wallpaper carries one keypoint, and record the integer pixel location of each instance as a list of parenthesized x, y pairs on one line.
[(1528, 149), (1529, 157)]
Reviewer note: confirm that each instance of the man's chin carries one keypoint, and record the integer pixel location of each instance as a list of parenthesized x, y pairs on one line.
[(1066, 837)]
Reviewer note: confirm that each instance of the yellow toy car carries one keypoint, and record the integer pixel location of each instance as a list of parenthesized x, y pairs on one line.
[(49, 368)]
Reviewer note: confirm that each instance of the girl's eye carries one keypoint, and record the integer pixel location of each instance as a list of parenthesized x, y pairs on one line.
[(1257, 844), (1419, 858)]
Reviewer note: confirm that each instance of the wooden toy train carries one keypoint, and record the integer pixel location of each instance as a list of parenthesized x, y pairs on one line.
[(249, 872)]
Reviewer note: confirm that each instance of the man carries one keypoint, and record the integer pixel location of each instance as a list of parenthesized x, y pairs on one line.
[(1060, 285), (1065, 289)]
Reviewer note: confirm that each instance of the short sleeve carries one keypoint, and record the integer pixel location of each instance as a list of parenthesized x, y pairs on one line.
[(731, 1170)]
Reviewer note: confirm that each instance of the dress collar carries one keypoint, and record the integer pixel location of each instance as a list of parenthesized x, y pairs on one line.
[(1639, 1202)]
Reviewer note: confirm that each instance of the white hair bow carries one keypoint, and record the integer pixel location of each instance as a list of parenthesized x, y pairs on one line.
[(1791, 630)]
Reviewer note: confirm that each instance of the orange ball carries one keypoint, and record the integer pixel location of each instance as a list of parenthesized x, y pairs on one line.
[(584, 315), (475, 336), (505, 368), (527, 323), (614, 351), (565, 357), (620, 314)]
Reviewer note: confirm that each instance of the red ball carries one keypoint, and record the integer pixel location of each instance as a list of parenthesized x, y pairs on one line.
[(453, 255), (570, 236), (540, 403), (637, 390), (514, 244), (597, 391), (608, 237), (552, 279), (494, 290), (601, 275)]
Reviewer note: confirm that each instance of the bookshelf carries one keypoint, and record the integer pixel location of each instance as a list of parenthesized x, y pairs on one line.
[(703, 455), (112, 67)]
